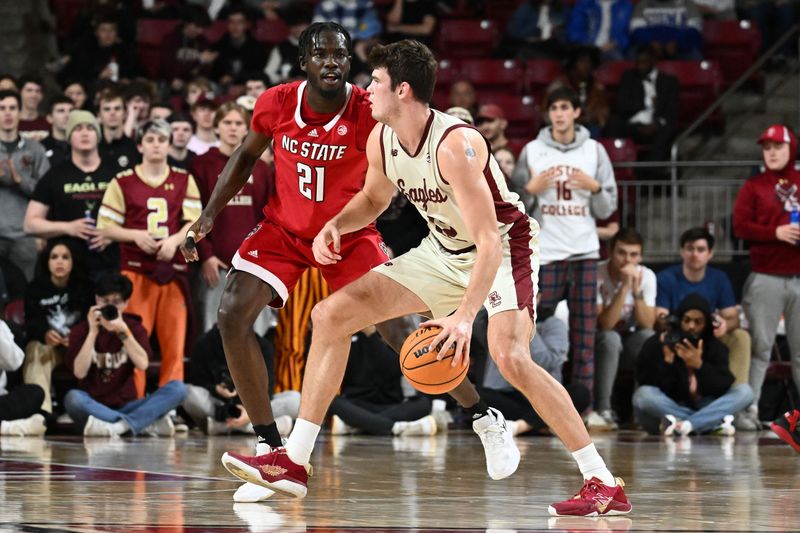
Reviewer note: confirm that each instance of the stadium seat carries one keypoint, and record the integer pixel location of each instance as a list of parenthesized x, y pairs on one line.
[(735, 45), (498, 75), (467, 38), (15, 312), (539, 74), (447, 74), (65, 12), (151, 32), (271, 31), (216, 31), (521, 112), (609, 75), (700, 85)]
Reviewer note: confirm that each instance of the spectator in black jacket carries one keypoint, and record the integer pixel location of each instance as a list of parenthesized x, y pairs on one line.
[(373, 400), (238, 52), (684, 379), (647, 106), (211, 399), (58, 297)]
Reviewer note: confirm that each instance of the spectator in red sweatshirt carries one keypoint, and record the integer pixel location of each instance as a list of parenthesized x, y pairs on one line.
[(762, 217), (244, 210)]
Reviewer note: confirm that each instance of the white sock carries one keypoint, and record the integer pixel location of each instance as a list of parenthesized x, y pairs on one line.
[(300, 443), (592, 465), (120, 427)]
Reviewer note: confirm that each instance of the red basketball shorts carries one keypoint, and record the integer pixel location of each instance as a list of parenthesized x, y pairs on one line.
[(279, 258)]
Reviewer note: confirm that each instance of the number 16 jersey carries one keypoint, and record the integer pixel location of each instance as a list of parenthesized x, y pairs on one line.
[(320, 166)]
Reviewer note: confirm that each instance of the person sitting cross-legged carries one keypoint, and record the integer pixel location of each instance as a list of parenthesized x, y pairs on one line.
[(103, 352), (685, 382)]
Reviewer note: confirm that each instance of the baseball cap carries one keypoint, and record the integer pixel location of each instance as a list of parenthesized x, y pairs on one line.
[(490, 111), (79, 116), (776, 133)]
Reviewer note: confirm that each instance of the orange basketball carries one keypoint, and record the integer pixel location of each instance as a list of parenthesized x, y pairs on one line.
[(420, 367)]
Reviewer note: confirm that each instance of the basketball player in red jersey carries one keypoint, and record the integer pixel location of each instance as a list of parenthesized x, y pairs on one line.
[(320, 129)]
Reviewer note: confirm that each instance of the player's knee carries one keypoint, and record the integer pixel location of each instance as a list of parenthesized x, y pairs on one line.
[(511, 363), (323, 316)]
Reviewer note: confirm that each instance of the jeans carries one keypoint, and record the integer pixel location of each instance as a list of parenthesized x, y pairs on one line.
[(613, 350), (650, 404), (138, 414)]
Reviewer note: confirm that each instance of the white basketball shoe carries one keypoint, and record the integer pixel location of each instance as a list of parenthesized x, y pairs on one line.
[(502, 454)]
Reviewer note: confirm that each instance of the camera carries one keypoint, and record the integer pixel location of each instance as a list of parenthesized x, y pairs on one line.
[(227, 409), (109, 312), (675, 334)]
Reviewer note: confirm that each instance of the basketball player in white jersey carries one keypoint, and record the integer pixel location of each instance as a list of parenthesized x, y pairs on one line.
[(481, 250)]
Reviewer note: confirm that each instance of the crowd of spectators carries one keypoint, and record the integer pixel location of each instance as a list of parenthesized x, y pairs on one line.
[(107, 295)]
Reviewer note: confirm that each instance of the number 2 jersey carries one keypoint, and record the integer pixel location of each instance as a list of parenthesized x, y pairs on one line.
[(319, 165), (161, 207)]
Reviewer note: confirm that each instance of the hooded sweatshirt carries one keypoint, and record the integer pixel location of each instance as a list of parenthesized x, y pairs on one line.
[(765, 202), (567, 216), (714, 378)]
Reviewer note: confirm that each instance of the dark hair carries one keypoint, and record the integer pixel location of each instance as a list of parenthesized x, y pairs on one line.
[(311, 34), (181, 116), (563, 93), (109, 95), (112, 283), (696, 234), (140, 87), (30, 78), (79, 270), (8, 93), (256, 75), (408, 61), (239, 10), (627, 236), (59, 99)]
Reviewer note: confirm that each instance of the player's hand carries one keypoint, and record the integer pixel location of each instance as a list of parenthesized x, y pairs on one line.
[(145, 242), (211, 268), (327, 245), (578, 179), (196, 233), (82, 228), (788, 233), (456, 331), (168, 248), (541, 182)]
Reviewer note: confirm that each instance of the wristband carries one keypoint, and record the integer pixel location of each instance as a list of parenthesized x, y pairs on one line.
[(638, 296)]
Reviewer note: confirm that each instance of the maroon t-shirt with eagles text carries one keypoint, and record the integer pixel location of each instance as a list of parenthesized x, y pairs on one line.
[(110, 377)]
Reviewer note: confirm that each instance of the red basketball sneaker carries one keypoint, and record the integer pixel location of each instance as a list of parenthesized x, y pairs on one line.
[(787, 428), (594, 499), (273, 470)]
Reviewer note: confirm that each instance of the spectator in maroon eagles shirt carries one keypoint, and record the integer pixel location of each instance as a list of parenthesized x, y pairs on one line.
[(244, 210), (762, 217), (103, 351)]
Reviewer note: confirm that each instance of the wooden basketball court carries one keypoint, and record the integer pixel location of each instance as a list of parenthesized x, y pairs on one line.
[(745, 483)]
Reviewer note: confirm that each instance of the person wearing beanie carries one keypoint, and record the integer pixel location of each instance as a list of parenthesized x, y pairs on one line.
[(66, 200), (685, 385), (762, 216)]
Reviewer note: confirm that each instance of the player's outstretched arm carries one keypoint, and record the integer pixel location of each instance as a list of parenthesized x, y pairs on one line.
[(362, 209), (462, 158), (231, 180)]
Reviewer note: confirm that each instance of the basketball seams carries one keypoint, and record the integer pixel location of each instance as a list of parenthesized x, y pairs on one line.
[(420, 338)]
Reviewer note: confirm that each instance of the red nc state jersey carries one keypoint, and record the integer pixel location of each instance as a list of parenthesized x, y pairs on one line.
[(318, 168)]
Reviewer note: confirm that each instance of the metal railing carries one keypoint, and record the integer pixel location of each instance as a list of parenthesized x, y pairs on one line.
[(661, 210), (674, 164)]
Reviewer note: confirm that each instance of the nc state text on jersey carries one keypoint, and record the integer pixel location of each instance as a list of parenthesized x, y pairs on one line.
[(313, 151)]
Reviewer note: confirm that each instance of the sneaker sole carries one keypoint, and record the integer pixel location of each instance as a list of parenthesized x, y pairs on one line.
[(266, 494), (247, 473), (613, 512), (785, 436), (499, 476)]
